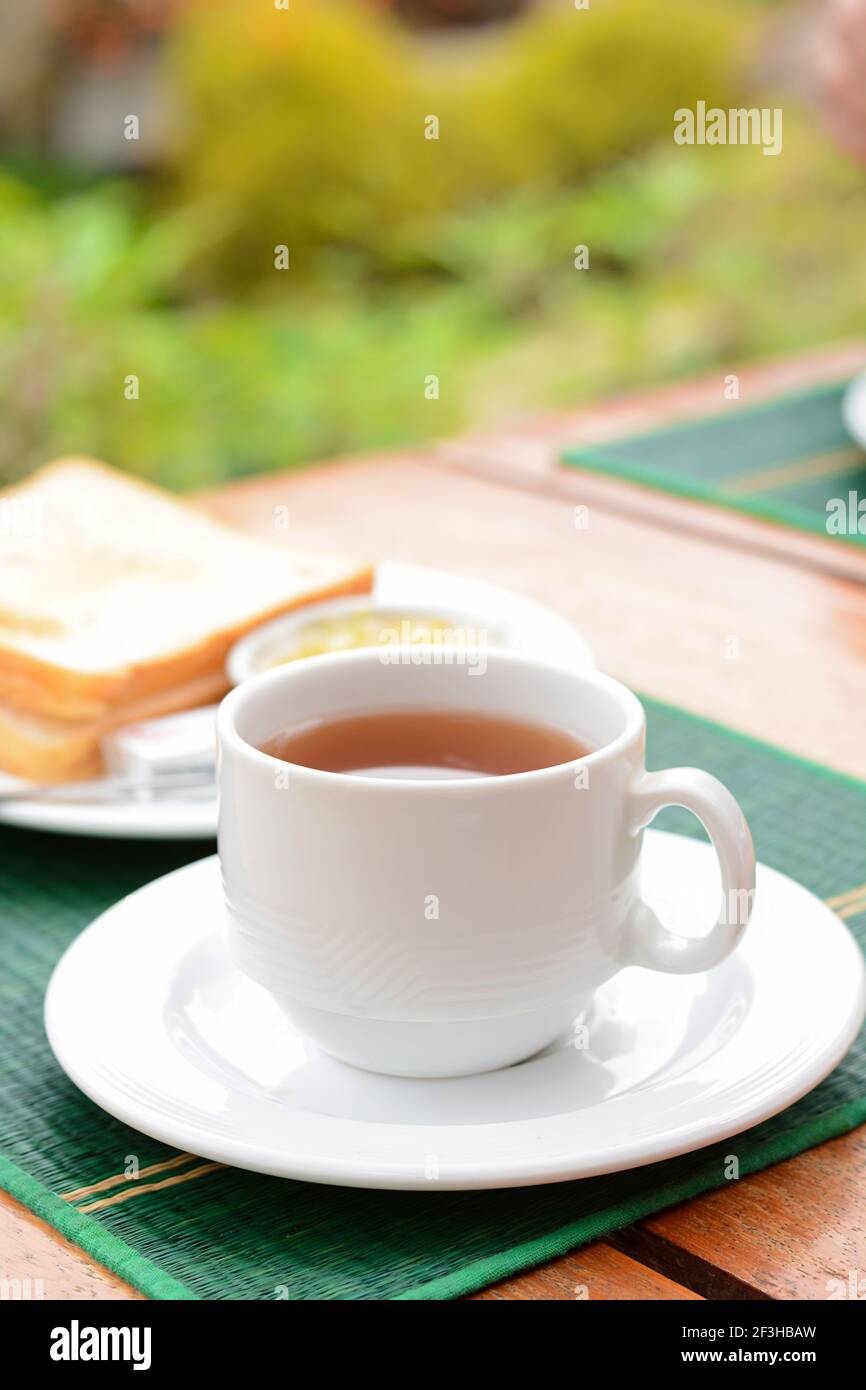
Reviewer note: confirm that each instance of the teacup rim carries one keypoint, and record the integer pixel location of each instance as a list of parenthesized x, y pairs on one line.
[(229, 735)]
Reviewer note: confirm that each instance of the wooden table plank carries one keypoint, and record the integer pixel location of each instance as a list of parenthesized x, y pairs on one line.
[(47, 1265), (702, 626), (793, 1231)]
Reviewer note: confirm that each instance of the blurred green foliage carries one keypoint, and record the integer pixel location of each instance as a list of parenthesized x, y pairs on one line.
[(310, 130), (402, 268)]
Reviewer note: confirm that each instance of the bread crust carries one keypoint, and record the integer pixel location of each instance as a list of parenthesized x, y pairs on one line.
[(57, 750), (32, 682), (62, 693)]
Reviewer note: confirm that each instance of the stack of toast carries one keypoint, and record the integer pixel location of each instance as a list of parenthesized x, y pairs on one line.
[(119, 602)]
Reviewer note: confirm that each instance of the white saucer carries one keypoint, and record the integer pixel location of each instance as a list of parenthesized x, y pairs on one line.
[(147, 1016), (194, 818)]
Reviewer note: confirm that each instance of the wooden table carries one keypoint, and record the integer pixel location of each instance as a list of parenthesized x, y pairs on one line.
[(658, 590)]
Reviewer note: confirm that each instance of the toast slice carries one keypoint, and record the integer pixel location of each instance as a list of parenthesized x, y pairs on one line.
[(58, 750), (113, 592)]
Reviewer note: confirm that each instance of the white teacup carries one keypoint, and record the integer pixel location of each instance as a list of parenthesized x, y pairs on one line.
[(438, 928)]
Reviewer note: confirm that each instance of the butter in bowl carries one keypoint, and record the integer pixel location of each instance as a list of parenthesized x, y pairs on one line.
[(412, 606), (341, 625)]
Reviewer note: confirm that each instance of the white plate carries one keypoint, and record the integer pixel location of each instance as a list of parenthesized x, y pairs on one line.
[(854, 409), (148, 1017), (174, 819), (195, 818)]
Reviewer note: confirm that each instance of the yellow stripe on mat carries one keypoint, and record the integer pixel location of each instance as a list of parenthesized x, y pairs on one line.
[(129, 1177), (842, 898), (152, 1187), (801, 471)]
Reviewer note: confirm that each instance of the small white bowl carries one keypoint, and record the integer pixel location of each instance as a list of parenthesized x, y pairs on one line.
[(488, 614)]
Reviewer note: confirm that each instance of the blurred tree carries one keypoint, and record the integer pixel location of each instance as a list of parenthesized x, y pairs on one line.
[(310, 127)]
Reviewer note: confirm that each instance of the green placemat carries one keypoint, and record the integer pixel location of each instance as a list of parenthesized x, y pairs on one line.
[(189, 1230), (783, 461)]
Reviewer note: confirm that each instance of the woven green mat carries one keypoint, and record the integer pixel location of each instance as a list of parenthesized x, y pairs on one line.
[(785, 461), (230, 1234)]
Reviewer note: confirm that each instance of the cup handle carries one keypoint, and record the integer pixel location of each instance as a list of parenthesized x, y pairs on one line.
[(647, 941)]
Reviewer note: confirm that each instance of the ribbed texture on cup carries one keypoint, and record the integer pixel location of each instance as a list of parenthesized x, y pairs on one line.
[(430, 973)]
